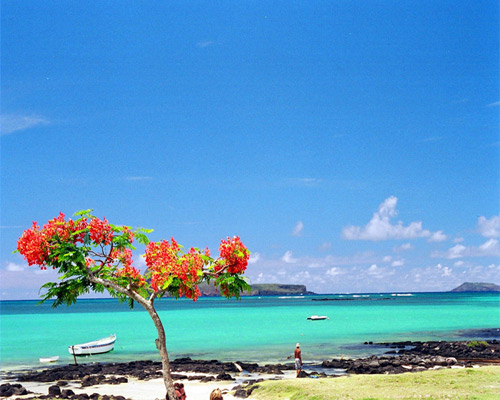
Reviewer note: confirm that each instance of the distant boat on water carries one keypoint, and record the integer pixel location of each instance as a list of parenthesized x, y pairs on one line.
[(95, 347), (49, 359), (317, 317)]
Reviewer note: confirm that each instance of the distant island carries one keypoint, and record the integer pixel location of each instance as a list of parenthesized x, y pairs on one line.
[(477, 287), (264, 289)]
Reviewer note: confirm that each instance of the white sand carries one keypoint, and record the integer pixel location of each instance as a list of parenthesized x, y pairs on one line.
[(138, 390), (152, 389)]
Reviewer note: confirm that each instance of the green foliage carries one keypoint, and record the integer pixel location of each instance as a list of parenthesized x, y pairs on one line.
[(475, 343)]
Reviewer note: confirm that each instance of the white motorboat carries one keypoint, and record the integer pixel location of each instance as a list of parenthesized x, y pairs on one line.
[(317, 317), (49, 359), (95, 347)]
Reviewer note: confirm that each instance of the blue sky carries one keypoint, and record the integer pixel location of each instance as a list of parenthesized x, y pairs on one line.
[(354, 146)]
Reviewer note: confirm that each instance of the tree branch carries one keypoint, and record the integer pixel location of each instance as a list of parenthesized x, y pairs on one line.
[(125, 291)]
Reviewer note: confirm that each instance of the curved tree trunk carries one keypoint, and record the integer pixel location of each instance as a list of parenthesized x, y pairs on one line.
[(161, 342), (162, 349)]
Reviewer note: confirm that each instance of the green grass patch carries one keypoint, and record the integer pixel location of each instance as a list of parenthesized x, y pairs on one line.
[(471, 384), (475, 343)]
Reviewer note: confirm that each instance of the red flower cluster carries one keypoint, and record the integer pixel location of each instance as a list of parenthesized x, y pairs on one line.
[(123, 256), (35, 244), (100, 231), (165, 260), (235, 255), (130, 235), (133, 275), (34, 247)]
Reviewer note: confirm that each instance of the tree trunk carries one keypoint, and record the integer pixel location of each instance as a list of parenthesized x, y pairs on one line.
[(161, 345), (161, 342)]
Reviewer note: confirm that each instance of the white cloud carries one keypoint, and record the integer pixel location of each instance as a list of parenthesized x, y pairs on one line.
[(378, 273), (490, 248), (387, 259), (438, 236), (138, 178), (297, 230), (334, 271), (205, 43), (325, 246), (433, 139), (308, 182), (14, 123), (398, 263), (445, 271), (380, 227), (489, 227), (254, 258), (403, 247), (458, 240), (12, 267), (288, 258), (456, 251), (496, 103)]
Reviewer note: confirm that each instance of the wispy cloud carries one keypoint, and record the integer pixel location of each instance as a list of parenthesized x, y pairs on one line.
[(438, 236), (297, 229), (490, 248), (495, 104), (489, 227), (307, 181), (433, 139), (403, 247), (254, 258), (380, 227), (205, 43), (377, 272), (288, 258), (138, 178), (11, 123), (12, 267), (325, 246), (335, 271)]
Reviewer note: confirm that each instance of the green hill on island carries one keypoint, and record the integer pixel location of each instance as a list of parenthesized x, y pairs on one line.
[(264, 289), (477, 287)]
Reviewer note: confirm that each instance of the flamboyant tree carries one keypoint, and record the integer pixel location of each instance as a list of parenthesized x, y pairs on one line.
[(90, 254)]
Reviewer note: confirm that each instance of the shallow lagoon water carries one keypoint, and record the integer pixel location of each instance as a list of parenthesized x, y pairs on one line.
[(263, 329)]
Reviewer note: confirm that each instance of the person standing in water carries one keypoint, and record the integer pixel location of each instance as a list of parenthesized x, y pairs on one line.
[(298, 359)]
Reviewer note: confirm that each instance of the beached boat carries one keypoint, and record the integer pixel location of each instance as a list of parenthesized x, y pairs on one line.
[(49, 359), (317, 317), (95, 347)]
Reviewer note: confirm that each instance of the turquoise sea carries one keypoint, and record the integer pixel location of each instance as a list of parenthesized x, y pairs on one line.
[(263, 329)]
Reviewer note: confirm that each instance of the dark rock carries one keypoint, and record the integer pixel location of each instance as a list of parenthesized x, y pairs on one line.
[(303, 374), (241, 393), (224, 377), (67, 393), (54, 390)]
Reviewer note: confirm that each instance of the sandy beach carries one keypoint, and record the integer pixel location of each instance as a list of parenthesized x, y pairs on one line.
[(137, 389), (141, 380)]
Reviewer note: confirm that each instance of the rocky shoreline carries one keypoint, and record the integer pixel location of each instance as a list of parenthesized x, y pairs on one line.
[(401, 357)]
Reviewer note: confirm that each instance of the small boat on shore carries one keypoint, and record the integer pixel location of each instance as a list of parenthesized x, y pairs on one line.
[(95, 347), (49, 359), (317, 317)]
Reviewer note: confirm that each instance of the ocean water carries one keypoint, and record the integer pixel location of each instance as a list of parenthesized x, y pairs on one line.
[(261, 329)]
